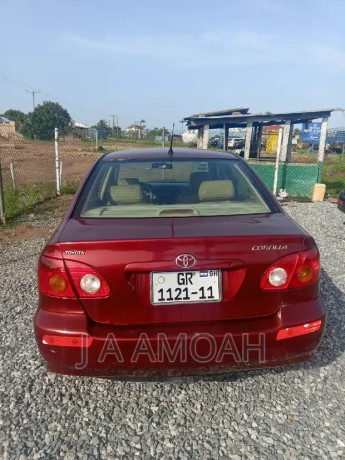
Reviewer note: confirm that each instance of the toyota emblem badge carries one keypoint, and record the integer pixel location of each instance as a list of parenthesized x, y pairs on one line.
[(185, 261)]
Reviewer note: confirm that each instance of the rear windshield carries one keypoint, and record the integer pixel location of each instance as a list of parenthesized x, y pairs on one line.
[(177, 188)]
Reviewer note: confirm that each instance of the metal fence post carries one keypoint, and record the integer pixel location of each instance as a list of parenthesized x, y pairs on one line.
[(57, 162), (276, 171), (13, 176), (2, 200)]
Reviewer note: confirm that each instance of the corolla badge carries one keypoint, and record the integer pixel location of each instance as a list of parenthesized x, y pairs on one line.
[(269, 248), (185, 261)]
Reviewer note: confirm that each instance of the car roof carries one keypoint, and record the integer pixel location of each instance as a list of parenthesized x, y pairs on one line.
[(152, 153)]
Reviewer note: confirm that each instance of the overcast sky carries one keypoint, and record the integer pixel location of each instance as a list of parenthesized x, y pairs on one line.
[(162, 60)]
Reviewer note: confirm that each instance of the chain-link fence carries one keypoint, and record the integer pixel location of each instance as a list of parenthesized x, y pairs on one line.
[(27, 173), (29, 166), (301, 169)]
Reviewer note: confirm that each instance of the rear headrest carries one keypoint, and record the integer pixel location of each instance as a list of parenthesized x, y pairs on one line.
[(216, 190), (125, 194), (197, 177)]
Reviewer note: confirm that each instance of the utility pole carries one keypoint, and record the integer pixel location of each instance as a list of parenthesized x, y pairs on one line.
[(33, 97), (117, 120)]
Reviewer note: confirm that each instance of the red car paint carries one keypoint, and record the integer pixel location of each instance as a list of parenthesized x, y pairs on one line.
[(124, 334)]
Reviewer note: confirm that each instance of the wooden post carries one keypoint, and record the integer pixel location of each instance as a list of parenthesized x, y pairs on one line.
[(287, 137), (2, 201), (226, 138), (12, 175), (322, 145), (249, 132)]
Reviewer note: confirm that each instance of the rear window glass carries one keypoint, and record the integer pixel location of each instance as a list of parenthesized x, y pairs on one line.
[(177, 188)]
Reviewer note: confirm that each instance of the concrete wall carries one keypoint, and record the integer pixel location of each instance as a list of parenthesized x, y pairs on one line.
[(8, 130)]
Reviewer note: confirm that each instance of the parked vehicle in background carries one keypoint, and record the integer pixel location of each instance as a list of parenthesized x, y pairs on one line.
[(334, 148), (214, 141), (341, 201), (177, 263), (234, 143), (237, 142)]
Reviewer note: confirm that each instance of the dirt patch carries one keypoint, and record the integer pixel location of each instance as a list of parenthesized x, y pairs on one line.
[(27, 162), (20, 233), (39, 223)]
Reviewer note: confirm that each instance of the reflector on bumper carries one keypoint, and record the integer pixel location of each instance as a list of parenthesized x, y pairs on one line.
[(299, 330), (68, 341)]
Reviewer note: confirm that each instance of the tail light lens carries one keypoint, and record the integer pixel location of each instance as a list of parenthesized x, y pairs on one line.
[(54, 280), (292, 271), (87, 281)]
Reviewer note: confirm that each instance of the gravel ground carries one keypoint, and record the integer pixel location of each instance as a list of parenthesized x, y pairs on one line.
[(296, 412)]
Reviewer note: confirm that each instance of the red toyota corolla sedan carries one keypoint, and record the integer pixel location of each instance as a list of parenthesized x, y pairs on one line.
[(176, 264)]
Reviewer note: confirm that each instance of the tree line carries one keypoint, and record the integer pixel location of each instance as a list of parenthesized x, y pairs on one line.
[(41, 122)]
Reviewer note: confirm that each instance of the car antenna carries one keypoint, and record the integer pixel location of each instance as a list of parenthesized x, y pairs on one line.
[(170, 151)]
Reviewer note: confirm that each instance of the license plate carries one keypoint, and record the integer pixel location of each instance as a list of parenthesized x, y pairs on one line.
[(186, 287)]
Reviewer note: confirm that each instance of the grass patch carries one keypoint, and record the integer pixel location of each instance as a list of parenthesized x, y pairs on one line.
[(24, 199), (333, 175), (69, 188), (334, 186)]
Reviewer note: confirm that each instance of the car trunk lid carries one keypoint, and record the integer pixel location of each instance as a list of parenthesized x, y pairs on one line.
[(127, 251)]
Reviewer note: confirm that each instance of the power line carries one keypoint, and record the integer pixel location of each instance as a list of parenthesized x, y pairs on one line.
[(13, 96), (5, 79), (12, 82), (117, 125)]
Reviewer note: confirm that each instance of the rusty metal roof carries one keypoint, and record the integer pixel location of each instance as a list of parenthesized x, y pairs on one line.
[(219, 113)]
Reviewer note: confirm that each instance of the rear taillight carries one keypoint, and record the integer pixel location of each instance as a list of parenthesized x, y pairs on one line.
[(292, 271), (86, 280), (54, 280)]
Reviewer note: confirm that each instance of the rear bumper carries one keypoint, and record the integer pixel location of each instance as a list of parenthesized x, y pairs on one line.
[(177, 349)]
